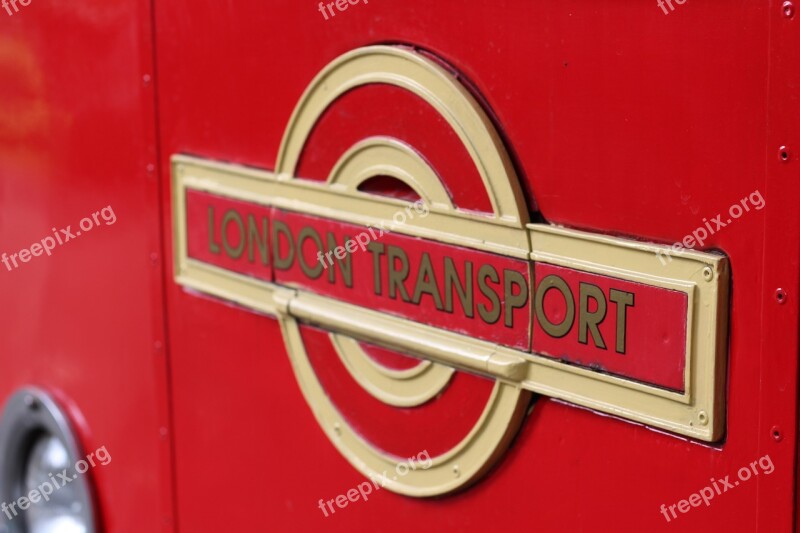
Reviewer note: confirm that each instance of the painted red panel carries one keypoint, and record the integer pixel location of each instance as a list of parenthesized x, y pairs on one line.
[(385, 110), (402, 432), (87, 324), (653, 349), (621, 120)]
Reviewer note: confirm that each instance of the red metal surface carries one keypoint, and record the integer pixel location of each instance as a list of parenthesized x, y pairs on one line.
[(622, 119), (77, 134), (399, 432), (653, 346), (390, 111)]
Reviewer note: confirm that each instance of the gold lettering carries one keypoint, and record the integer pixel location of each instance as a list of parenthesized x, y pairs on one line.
[(554, 282), (587, 320), (309, 233), (212, 243), (451, 279), (281, 263), (376, 249), (490, 317), (514, 301), (345, 263), (623, 300), (233, 216), (426, 282), (260, 239), (397, 277)]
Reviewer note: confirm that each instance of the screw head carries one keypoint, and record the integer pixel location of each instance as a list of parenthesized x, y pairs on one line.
[(31, 402), (784, 154), (708, 274), (780, 296), (788, 9)]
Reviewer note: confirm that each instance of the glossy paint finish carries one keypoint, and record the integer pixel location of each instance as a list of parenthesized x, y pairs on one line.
[(622, 120), (652, 339), (77, 133)]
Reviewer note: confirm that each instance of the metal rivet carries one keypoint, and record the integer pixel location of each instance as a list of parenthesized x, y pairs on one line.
[(31, 402), (780, 296), (337, 428), (776, 434), (784, 154), (708, 274), (788, 9), (702, 417), (456, 471)]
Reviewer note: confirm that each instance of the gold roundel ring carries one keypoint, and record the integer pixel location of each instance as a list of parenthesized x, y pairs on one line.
[(505, 408)]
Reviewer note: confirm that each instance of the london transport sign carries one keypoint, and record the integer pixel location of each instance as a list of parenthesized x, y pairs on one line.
[(591, 319)]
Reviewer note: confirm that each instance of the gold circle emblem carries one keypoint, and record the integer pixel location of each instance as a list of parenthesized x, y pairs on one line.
[(382, 156)]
